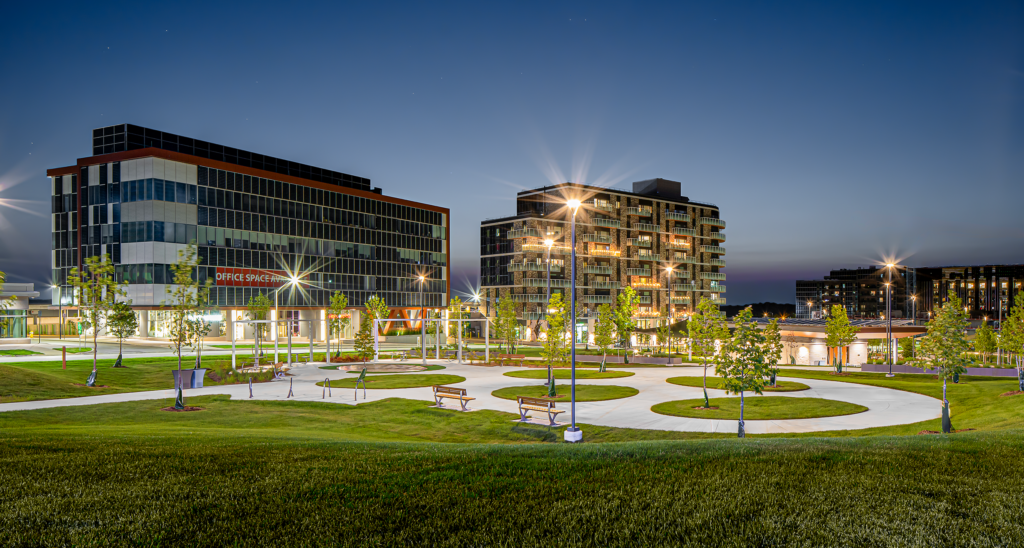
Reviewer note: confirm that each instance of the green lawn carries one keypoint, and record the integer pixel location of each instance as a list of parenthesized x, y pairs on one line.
[(759, 408), (566, 374), (714, 382), (584, 392), (177, 483), (20, 352), (26, 381), (398, 380), (78, 349)]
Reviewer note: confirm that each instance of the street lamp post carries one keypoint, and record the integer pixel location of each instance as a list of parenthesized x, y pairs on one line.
[(423, 326), (573, 434), (671, 312), (888, 319), (547, 304)]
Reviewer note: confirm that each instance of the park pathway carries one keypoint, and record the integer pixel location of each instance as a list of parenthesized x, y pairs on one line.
[(886, 407)]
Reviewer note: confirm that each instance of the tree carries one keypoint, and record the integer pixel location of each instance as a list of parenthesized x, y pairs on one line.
[(985, 341), (554, 350), (379, 310), (259, 309), (742, 363), (624, 313), (97, 292), (944, 346), (122, 323), (364, 338), (705, 327), (506, 323), (188, 297), (839, 333), (1011, 337), (455, 313), (604, 331), (665, 331), (337, 320), (773, 348)]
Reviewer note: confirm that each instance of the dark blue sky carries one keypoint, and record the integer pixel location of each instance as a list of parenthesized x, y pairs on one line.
[(830, 133)]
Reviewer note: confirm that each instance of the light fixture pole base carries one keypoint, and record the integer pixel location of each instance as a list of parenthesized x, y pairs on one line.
[(573, 436), (890, 375)]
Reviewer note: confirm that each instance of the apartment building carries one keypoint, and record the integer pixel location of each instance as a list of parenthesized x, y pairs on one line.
[(665, 246)]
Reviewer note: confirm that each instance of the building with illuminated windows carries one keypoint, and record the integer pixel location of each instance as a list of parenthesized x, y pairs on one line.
[(663, 245), (916, 291), (258, 221)]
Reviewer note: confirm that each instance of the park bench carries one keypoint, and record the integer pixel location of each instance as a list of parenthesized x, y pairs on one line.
[(511, 358), (442, 392), (538, 404)]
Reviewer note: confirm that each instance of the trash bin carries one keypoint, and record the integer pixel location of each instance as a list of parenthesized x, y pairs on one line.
[(190, 378)]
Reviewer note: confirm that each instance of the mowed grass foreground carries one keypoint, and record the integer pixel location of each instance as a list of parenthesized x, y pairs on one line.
[(197, 489)]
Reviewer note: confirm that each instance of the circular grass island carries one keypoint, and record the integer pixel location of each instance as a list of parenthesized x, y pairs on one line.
[(404, 380), (584, 392), (566, 374), (759, 408), (713, 382)]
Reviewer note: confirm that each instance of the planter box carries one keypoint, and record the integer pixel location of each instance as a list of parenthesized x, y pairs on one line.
[(976, 371), (190, 378)]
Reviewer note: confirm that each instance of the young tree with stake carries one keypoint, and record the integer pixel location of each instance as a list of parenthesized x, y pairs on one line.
[(705, 327), (188, 297), (624, 314), (604, 332), (985, 341), (379, 310), (665, 331), (337, 320), (122, 323), (506, 322), (364, 338), (742, 363), (259, 309), (555, 350), (944, 346), (1011, 338), (97, 292), (839, 333), (773, 348)]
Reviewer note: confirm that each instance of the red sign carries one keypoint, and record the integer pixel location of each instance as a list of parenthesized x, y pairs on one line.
[(248, 277)]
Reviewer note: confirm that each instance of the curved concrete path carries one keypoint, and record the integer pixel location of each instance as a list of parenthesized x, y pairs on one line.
[(886, 407)]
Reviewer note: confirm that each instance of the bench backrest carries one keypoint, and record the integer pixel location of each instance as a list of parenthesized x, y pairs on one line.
[(449, 390), (536, 401)]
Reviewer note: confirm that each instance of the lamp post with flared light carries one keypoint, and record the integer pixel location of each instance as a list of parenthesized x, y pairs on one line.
[(423, 325), (573, 434), (294, 281)]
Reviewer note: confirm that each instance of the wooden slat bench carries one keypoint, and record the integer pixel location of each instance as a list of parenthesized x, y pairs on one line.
[(538, 404), (511, 358), (442, 392)]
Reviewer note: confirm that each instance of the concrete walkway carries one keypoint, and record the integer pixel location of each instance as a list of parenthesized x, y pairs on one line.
[(886, 407)]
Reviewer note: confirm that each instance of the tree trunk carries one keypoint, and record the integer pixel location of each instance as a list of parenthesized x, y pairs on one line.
[(742, 433), (947, 425), (707, 403)]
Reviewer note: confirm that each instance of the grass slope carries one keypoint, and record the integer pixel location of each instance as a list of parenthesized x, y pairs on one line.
[(397, 380), (714, 382), (759, 408), (584, 392), (566, 374), (198, 489)]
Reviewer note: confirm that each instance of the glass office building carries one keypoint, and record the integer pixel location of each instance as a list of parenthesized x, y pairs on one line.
[(257, 220)]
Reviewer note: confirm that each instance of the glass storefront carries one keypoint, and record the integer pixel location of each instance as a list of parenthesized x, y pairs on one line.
[(13, 324)]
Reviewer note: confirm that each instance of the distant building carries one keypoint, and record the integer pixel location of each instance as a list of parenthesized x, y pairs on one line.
[(14, 318), (916, 292), (663, 245)]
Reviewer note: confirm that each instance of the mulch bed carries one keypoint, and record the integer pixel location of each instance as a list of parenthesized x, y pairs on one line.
[(187, 408), (1013, 393), (87, 386), (924, 432), (705, 408)]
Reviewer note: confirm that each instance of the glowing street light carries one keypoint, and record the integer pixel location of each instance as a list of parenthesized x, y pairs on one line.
[(423, 326), (573, 434), (547, 303), (888, 312)]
